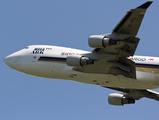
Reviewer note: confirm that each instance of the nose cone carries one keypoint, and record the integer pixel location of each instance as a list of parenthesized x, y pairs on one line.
[(6, 60), (11, 61)]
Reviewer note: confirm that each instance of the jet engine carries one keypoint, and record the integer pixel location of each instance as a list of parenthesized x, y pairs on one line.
[(119, 99), (99, 41), (78, 60)]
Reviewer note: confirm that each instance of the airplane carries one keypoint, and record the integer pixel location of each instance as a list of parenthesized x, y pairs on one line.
[(111, 64)]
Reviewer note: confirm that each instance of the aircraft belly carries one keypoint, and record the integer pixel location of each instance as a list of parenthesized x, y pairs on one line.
[(62, 71), (111, 81)]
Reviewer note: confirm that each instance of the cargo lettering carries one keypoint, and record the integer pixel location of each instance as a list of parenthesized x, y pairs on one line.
[(137, 59)]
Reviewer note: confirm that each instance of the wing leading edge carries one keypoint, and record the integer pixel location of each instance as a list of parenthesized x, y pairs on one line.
[(138, 93)]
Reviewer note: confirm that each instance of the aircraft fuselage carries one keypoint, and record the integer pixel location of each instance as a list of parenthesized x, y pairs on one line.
[(50, 62)]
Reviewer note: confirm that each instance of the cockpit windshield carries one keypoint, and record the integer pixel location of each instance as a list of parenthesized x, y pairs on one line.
[(26, 47)]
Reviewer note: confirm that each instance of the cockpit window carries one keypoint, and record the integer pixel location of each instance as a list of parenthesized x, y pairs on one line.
[(26, 47)]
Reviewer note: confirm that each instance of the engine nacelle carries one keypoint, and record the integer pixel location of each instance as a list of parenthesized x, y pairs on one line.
[(99, 41), (119, 99), (78, 60)]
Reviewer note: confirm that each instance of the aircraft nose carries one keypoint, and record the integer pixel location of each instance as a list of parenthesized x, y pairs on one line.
[(11, 61)]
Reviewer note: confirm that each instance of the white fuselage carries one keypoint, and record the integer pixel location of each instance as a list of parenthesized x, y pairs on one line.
[(50, 62)]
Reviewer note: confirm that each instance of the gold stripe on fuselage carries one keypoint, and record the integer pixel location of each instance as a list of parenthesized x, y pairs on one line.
[(149, 70)]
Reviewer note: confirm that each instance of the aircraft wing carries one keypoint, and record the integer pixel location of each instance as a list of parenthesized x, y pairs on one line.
[(138, 94), (130, 23), (122, 44), (117, 61)]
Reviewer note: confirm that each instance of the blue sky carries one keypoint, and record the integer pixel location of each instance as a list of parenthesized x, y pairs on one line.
[(67, 23)]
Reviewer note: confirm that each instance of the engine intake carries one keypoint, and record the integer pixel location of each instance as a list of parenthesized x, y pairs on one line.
[(99, 41), (119, 99), (78, 60)]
